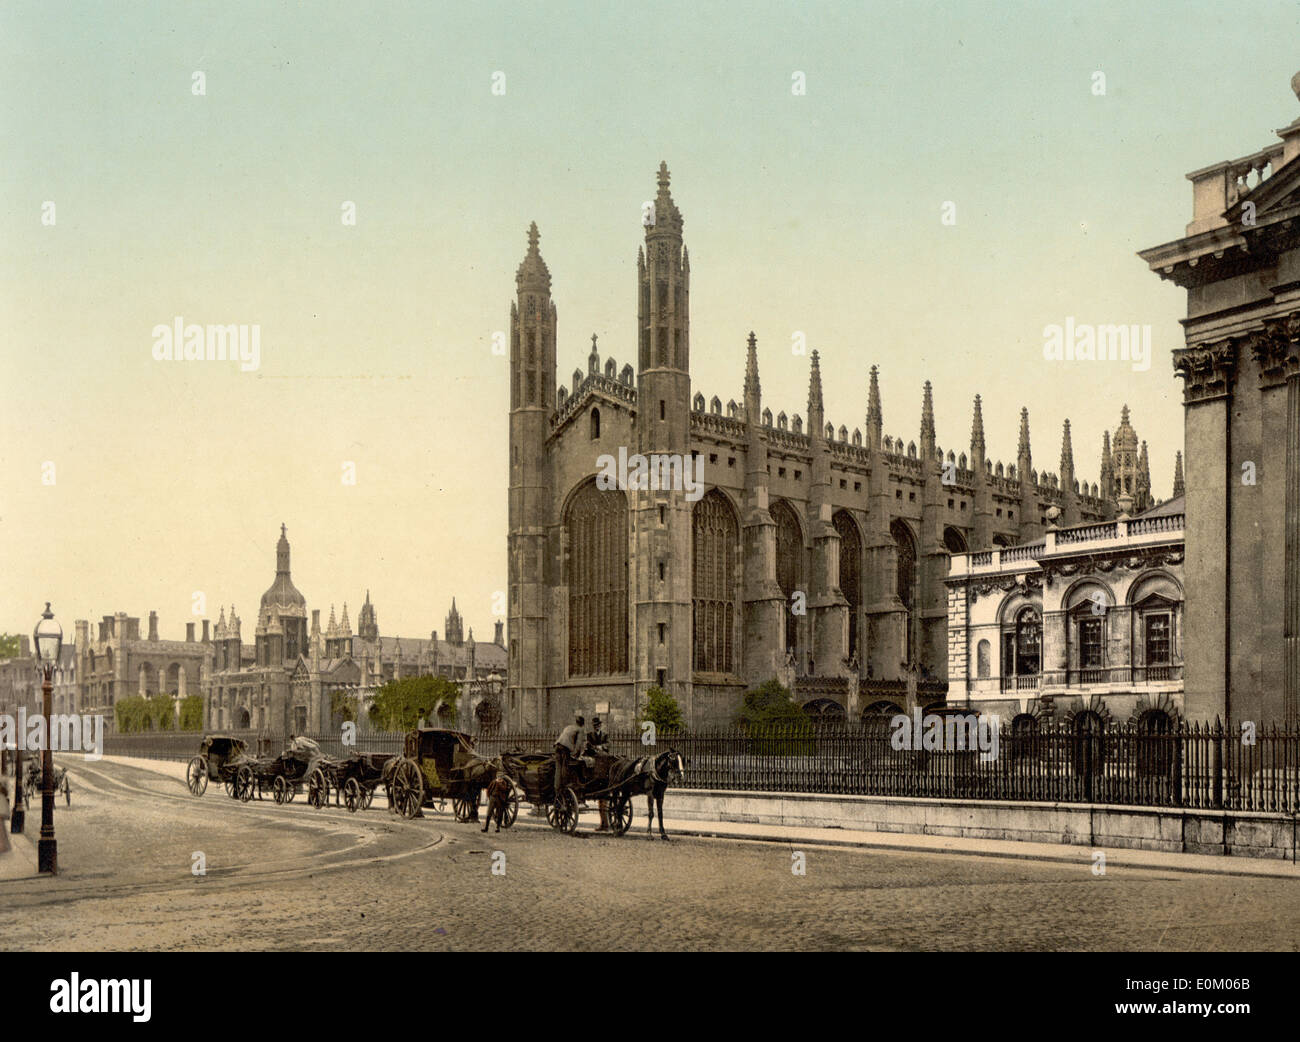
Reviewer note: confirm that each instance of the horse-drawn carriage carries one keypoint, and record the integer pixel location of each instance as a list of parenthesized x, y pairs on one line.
[(219, 759), (437, 765), (33, 777), (613, 779)]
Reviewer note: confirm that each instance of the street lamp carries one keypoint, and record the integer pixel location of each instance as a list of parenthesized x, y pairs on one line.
[(48, 638)]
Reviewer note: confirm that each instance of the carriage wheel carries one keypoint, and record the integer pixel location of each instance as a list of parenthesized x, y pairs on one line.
[(620, 813), (406, 789), (464, 807), (245, 784), (367, 797), (291, 790), (196, 776), (280, 786), (569, 810), (512, 810), (231, 791), (318, 789), (352, 795)]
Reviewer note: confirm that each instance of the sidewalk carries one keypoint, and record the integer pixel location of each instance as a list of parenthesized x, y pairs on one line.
[(17, 853), (899, 842)]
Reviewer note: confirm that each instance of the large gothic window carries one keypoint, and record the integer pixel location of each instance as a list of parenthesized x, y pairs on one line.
[(905, 579), (596, 525), (716, 547), (789, 566), (850, 572)]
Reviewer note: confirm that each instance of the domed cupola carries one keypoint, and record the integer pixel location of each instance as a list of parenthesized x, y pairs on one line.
[(282, 598)]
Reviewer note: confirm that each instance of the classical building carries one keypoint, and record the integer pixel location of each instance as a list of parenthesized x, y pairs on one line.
[(815, 554), (1239, 261), (1086, 620), (113, 661), (288, 679)]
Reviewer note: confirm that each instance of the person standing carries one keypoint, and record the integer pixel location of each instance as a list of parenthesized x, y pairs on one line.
[(570, 745)]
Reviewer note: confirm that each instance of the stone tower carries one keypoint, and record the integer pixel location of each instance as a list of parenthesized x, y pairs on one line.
[(367, 625), (455, 626), (661, 518), (533, 321)]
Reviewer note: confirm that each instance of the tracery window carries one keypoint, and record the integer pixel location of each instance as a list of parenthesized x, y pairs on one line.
[(850, 572), (596, 526), (905, 579), (789, 566), (715, 549)]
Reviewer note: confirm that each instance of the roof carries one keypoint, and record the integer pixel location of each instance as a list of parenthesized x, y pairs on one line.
[(1176, 505)]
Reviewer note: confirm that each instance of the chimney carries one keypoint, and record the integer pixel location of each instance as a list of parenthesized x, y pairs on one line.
[(205, 631), (153, 625), (501, 635), (189, 630)]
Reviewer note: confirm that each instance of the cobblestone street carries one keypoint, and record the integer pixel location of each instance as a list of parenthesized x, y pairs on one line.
[(296, 878)]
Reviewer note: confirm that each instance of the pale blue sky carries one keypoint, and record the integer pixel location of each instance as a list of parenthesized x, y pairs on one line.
[(817, 213)]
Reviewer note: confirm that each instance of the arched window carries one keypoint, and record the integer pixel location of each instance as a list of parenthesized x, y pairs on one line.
[(596, 527), (789, 566), (905, 580), (982, 654), (595, 424), (850, 572), (954, 540), (716, 550), (1029, 642)]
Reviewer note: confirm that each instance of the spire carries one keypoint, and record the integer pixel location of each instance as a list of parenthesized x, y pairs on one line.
[(977, 429), (332, 630), (752, 388), (593, 359), (1179, 488), (1022, 452), (282, 553), (345, 627), (927, 412), (533, 273), (875, 417), (1067, 459), (1143, 483), (668, 219), (816, 408)]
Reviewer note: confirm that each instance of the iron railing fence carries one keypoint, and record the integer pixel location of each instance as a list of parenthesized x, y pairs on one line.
[(1191, 766)]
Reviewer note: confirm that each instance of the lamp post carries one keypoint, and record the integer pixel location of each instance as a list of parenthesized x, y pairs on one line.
[(48, 638)]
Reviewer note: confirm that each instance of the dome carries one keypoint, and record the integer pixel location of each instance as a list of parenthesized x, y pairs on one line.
[(282, 598)]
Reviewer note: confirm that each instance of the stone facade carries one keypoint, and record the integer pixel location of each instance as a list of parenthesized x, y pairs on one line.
[(1087, 619), (1239, 261), (816, 554), (286, 681)]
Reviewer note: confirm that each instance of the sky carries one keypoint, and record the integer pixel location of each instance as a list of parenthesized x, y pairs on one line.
[(133, 484)]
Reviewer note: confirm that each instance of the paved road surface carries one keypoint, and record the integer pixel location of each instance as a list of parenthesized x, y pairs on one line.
[(293, 877)]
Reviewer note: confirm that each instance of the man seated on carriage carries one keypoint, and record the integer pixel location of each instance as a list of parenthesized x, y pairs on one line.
[(598, 745)]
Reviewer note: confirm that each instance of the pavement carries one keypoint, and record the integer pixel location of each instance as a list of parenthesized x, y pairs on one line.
[(17, 853), (16, 863)]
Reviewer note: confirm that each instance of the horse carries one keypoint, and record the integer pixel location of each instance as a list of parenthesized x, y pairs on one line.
[(651, 776)]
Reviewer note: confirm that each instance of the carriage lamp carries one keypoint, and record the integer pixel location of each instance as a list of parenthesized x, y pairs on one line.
[(48, 638)]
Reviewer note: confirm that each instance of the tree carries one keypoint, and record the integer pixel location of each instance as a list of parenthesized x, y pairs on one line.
[(162, 713), (662, 710), (10, 645), (192, 713), (770, 705), (132, 714), (399, 704), (343, 706)]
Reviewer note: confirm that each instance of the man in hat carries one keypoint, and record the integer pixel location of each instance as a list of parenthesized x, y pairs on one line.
[(598, 743)]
